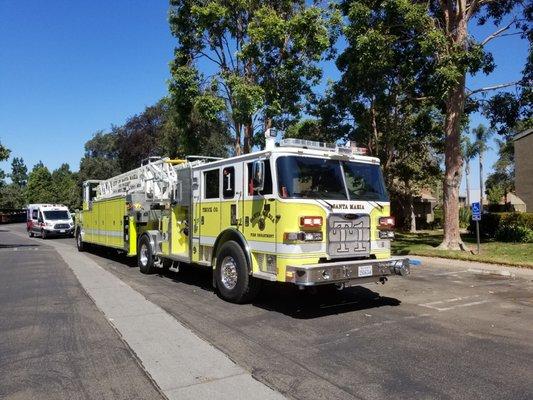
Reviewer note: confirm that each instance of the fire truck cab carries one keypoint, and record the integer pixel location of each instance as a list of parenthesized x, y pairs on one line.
[(299, 211)]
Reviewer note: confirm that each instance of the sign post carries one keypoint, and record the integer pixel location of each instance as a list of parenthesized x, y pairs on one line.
[(476, 216)]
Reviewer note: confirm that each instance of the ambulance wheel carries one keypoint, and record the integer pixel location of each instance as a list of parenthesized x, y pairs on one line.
[(43, 234), (232, 277), (30, 233), (145, 257), (79, 242)]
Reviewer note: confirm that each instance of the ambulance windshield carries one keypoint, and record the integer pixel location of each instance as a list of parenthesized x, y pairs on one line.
[(318, 178), (50, 215)]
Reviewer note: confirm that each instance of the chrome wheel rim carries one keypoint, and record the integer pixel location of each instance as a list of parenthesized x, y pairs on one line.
[(228, 272), (144, 254)]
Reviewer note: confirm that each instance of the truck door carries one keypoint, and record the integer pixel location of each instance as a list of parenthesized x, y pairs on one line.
[(232, 197), (209, 211), (195, 207), (260, 218)]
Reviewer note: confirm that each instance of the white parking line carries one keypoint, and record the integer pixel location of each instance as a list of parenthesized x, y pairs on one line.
[(434, 304)]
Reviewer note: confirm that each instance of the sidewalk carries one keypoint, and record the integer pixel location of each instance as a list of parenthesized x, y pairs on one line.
[(182, 365), (476, 267)]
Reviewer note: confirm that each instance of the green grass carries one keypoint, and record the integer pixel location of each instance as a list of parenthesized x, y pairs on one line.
[(425, 243)]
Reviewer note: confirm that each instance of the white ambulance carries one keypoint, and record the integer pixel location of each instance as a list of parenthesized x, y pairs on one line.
[(46, 220)]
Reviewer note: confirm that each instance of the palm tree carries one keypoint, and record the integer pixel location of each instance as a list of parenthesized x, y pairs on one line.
[(482, 135), (469, 152)]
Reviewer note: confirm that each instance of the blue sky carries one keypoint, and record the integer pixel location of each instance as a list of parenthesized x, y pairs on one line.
[(71, 68)]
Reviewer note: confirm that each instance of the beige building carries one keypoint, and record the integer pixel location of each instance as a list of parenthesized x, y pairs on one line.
[(523, 150)]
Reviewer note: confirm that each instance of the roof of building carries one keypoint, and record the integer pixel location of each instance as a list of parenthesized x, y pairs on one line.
[(523, 134)]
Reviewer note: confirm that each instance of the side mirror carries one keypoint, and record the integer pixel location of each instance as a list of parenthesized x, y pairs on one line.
[(258, 174), (40, 220)]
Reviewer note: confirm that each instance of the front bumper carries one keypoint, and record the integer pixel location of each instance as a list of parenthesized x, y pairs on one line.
[(356, 272), (59, 232)]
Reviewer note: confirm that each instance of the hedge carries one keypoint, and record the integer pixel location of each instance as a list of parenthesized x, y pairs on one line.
[(490, 222)]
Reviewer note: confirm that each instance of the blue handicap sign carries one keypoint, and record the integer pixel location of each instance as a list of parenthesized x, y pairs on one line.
[(476, 211)]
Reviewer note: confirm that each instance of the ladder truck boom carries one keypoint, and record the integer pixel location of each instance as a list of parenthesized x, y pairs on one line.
[(156, 178)]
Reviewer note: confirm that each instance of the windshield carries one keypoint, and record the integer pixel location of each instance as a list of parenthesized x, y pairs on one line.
[(56, 215), (317, 178), (305, 177), (364, 181)]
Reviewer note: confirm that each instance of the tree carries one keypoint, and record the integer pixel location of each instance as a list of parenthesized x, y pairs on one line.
[(4, 155), (262, 61), (14, 194), (65, 187), (101, 157), (482, 135), (40, 185), (469, 152), (140, 137), (376, 101), (437, 35), (504, 167), (19, 172)]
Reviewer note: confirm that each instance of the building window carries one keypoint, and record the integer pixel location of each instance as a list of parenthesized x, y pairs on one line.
[(211, 182)]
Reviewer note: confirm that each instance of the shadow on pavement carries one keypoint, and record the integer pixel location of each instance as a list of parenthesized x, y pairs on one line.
[(320, 301), (286, 299), (13, 245)]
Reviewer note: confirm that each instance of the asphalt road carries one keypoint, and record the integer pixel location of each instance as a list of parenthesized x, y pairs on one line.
[(443, 333), (54, 342)]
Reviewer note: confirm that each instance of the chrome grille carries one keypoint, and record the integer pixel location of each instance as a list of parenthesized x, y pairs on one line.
[(61, 226), (348, 235)]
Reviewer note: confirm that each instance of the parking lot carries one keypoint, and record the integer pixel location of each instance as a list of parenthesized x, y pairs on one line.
[(449, 331)]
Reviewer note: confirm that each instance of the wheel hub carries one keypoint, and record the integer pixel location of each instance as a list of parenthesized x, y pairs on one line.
[(144, 254), (228, 272)]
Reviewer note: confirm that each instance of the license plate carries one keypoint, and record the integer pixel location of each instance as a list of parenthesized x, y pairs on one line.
[(62, 231), (365, 271)]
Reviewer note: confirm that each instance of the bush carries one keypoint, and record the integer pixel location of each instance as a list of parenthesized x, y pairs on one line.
[(464, 217), (514, 233), (491, 222)]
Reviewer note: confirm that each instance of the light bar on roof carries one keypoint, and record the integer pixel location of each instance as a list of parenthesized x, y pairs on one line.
[(349, 149)]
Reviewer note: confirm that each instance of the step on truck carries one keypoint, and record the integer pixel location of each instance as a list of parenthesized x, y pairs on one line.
[(302, 212)]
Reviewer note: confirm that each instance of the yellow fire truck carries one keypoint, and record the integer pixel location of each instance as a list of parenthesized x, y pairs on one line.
[(299, 211)]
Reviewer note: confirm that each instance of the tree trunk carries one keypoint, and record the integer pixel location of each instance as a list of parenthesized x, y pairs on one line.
[(481, 180), (453, 163), (237, 142), (248, 133), (457, 34), (467, 177), (412, 215)]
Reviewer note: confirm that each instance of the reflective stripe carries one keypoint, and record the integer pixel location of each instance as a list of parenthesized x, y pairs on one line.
[(102, 232), (207, 240)]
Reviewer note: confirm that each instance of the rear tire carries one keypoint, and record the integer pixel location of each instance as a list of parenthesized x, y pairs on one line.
[(232, 277), (145, 257), (79, 242), (30, 233)]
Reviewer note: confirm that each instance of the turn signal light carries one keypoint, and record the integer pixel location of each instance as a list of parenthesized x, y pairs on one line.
[(310, 222), (386, 223), (302, 236)]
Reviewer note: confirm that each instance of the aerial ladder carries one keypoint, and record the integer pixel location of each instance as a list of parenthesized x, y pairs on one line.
[(155, 178)]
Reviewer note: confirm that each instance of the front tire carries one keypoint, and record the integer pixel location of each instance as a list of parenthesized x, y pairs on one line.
[(43, 234), (145, 257), (79, 242), (232, 277), (30, 233)]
